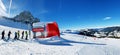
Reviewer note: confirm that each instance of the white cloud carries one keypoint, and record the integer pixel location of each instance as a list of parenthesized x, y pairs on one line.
[(10, 7), (107, 18), (2, 9)]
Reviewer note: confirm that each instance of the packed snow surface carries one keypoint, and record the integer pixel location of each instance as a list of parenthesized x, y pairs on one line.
[(67, 44)]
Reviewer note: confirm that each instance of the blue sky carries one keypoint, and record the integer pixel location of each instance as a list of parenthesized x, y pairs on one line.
[(71, 14)]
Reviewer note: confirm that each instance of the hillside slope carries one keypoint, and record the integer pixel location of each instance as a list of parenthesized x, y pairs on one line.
[(9, 23)]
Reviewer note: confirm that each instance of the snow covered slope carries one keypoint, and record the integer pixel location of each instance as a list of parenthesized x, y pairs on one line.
[(68, 44), (9, 23)]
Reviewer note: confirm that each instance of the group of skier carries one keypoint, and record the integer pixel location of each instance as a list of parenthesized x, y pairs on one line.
[(17, 35)]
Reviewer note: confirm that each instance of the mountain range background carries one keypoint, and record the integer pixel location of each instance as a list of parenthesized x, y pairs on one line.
[(21, 20), (107, 32), (24, 17)]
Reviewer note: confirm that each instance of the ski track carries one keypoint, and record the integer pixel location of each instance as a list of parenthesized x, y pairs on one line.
[(99, 50)]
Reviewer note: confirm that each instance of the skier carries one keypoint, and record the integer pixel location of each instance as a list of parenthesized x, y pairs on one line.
[(15, 38), (34, 34), (18, 34), (22, 35), (3, 33), (26, 35), (9, 33)]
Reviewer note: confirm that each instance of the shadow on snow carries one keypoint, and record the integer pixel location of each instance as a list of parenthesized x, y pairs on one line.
[(63, 42)]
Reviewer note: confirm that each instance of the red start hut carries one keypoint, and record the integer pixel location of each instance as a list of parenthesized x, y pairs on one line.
[(45, 30)]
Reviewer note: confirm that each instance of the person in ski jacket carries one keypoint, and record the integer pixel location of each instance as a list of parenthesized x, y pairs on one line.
[(9, 33), (3, 34), (22, 35), (15, 38), (18, 34), (26, 35)]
